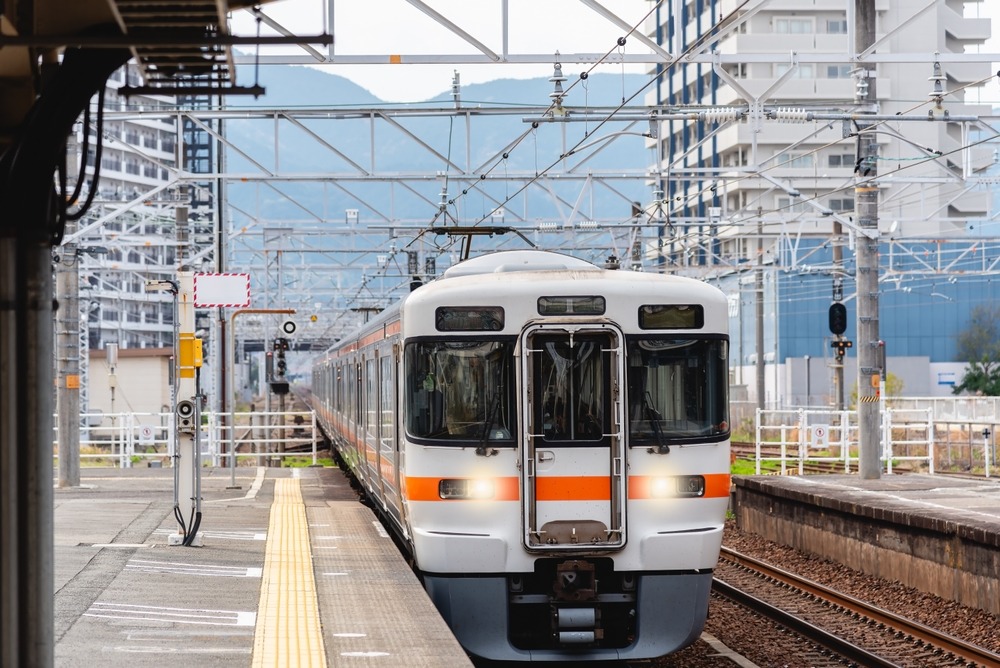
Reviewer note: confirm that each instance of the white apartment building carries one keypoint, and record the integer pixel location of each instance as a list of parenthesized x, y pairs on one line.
[(133, 223), (140, 222), (774, 166), (131, 241), (771, 159)]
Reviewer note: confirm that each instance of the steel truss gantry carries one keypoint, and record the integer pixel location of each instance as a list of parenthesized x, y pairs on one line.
[(320, 214), (324, 219)]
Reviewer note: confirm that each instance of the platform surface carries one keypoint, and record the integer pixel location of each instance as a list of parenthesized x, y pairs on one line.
[(953, 505), (293, 571)]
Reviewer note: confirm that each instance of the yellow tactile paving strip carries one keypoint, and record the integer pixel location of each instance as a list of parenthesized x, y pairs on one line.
[(288, 631)]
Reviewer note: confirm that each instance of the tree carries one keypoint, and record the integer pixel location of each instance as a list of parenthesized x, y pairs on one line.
[(980, 345)]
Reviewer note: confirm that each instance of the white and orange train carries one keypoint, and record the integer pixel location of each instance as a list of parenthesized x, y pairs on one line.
[(550, 440)]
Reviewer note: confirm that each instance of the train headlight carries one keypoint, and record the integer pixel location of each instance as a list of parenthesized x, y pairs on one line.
[(464, 488), (661, 488), (684, 486), (690, 485)]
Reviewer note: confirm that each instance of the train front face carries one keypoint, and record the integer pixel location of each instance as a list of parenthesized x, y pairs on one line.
[(567, 461)]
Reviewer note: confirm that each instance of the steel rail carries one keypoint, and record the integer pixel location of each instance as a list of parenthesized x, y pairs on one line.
[(948, 643)]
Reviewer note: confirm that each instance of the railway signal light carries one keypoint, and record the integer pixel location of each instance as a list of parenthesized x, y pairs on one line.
[(838, 318), (279, 384), (840, 348)]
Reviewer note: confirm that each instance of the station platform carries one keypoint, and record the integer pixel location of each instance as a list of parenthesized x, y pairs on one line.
[(293, 571), (937, 533)]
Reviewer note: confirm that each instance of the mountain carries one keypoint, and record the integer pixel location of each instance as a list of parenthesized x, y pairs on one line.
[(422, 146), (300, 86)]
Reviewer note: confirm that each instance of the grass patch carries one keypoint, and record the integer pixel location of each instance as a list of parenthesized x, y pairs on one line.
[(105, 460), (304, 461), (749, 467)]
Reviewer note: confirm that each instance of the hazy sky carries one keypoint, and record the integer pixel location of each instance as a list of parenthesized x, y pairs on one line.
[(397, 27), (535, 26)]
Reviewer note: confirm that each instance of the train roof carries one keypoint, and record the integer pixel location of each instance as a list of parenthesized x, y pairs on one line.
[(508, 278), (520, 272), (519, 260), (518, 267)]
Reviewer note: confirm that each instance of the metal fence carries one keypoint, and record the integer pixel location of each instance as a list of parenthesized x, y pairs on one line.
[(911, 433), (146, 439)]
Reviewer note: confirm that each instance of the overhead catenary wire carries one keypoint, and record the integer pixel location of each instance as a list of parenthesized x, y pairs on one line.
[(780, 113), (619, 44)]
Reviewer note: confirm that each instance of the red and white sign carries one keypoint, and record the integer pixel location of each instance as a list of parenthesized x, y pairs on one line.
[(231, 290)]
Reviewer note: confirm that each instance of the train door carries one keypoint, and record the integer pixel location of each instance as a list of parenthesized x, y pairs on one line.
[(370, 425), (387, 462), (573, 462)]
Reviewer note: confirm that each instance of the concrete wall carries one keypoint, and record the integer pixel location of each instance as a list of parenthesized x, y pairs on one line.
[(142, 377)]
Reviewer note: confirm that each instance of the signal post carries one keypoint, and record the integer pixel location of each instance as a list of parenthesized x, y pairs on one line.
[(288, 328), (187, 418), (187, 410)]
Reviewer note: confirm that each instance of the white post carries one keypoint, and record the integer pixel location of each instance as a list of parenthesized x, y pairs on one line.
[(186, 415), (886, 421), (986, 449), (312, 417)]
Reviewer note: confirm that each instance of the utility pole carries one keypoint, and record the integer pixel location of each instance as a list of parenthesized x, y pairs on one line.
[(758, 289), (866, 206), (838, 295), (68, 361)]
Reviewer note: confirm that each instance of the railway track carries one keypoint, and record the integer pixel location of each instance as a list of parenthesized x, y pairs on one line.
[(847, 628)]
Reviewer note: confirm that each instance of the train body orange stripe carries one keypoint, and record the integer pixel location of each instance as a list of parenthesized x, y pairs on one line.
[(573, 488), (717, 485), (508, 489), (640, 487), (426, 489), (422, 489), (371, 338), (565, 488)]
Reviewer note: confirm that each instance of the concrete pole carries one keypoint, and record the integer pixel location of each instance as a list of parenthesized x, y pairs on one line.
[(759, 320), (838, 263), (68, 362), (10, 617), (36, 534), (26, 517), (866, 206)]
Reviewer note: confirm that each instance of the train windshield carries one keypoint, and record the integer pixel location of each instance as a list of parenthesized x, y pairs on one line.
[(572, 375), (461, 391), (678, 390)]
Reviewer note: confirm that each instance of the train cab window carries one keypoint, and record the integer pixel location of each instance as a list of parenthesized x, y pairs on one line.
[(571, 376), (461, 391), (678, 390)]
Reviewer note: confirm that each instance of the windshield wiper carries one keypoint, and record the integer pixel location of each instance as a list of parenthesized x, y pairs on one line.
[(483, 450), (654, 419)]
